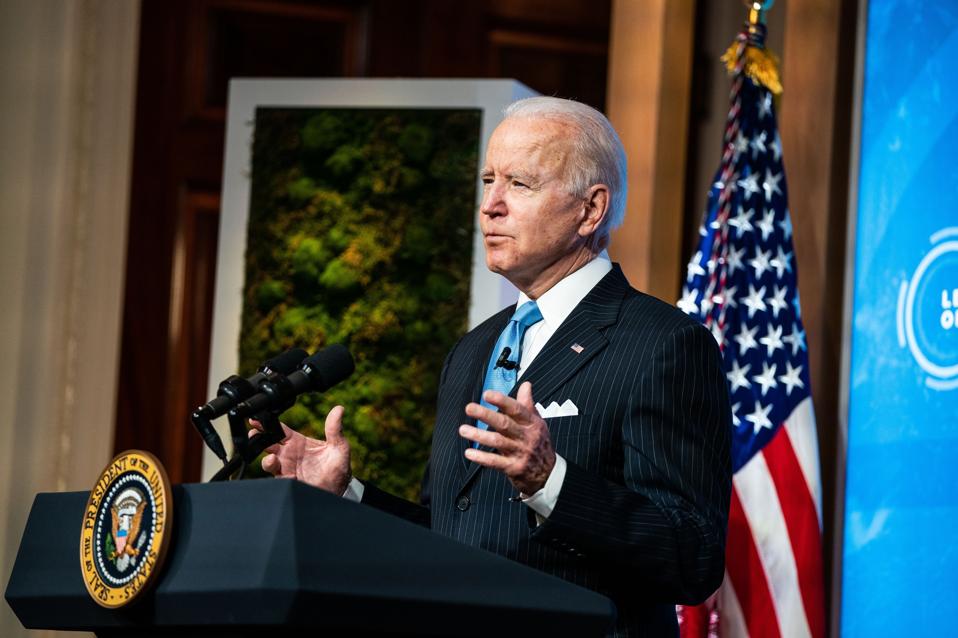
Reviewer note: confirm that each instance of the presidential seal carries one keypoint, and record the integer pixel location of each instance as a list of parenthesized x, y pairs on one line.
[(126, 529)]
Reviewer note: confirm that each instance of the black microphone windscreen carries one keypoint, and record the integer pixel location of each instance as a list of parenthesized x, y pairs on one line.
[(329, 366), (286, 362)]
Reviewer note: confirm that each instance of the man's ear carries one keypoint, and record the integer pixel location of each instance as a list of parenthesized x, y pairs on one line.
[(596, 207)]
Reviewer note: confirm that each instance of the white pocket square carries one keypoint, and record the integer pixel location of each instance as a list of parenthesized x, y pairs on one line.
[(554, 410)]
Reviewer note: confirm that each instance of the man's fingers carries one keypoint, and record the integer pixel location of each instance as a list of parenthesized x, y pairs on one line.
[(498, 421), (524, 397), (487, 438), (334, 425), (275, 448), (509, 406), (257, 428), (487, 459), (271, 464), (272, 449)]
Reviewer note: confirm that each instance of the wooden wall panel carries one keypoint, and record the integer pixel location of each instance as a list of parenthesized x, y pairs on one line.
[(555, 47), (649, 86), (815, 117), (579, 68), (188, 52), (263, 39)]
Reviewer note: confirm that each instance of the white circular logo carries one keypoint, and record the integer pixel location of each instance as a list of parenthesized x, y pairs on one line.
[(928, 312)]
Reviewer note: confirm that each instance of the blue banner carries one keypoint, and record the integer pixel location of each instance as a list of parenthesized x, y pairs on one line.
[(900, 563)]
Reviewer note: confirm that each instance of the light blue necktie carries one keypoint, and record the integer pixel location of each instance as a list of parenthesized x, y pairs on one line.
[(502, 371)]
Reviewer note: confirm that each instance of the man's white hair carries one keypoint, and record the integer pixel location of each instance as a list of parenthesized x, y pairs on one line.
[(598, 156)]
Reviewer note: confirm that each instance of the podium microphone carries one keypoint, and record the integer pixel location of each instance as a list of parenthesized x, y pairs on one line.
[(317, 373), (235, 389)]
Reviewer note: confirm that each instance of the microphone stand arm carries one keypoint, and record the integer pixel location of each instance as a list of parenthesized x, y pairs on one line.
[(246, 449)]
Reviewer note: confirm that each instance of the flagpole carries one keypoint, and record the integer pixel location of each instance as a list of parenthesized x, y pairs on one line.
[(761, 67)]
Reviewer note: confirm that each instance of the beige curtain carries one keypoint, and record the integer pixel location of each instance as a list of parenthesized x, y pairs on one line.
[(67, 87)]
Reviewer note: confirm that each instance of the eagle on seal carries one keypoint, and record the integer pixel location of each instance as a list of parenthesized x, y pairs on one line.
[(127, 514)]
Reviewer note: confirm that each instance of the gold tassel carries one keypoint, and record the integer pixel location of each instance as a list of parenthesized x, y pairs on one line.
[(761, 65)]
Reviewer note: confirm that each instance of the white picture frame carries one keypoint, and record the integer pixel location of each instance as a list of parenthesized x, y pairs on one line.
[(489, 292)]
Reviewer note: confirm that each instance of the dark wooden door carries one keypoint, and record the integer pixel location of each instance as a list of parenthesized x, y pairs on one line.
[(188, 53)]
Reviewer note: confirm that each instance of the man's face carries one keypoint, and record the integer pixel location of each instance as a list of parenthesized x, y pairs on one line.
[(530, 220)]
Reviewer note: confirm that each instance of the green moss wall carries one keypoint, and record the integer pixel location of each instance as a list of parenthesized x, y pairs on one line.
[(360, 232)]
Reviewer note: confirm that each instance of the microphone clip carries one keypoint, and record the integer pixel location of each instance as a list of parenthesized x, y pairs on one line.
[(503, 360)]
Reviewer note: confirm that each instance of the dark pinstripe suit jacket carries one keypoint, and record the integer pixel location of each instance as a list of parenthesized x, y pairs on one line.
[(642, 513)]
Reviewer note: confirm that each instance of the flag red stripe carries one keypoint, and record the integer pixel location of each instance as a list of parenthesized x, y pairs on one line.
[(748, 576), (694, 621), (801, 519)]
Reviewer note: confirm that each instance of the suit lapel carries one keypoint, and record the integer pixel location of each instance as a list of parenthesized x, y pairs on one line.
[(475, 375), (558, 360), (579, 338)]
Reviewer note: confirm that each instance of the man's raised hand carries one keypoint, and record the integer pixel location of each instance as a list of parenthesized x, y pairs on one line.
[(520, 437), (322, 464)]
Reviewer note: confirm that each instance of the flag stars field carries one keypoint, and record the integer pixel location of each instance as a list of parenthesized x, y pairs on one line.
[(741, 144), (791, 378), (734, 259), (761, 262), (776, 147), (736, 376), (767, 225), (755, 300), (777, 301), (687, 302), (772, 339), (750, 185), (796, 339), (742, 222), (695, 266), (765, 106), (786, 226), (758, 144), (759, 417), (746, 339), (767, 378), (782, 262), (771, 184)]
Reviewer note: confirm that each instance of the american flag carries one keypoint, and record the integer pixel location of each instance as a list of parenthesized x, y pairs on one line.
[(742, 283)]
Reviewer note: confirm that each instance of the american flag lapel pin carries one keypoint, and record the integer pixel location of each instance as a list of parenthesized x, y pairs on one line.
[(576, 348)]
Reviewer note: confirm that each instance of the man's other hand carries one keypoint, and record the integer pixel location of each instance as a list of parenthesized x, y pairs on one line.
[(520, 437), (322, 464)]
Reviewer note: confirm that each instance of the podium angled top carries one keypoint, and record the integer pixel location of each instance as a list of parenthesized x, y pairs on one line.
[(281, 553)]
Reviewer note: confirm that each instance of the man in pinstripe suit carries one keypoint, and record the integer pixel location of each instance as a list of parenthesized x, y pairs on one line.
[(608, 462)]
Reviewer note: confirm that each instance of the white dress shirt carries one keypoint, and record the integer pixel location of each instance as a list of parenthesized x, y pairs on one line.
[(555, 304)]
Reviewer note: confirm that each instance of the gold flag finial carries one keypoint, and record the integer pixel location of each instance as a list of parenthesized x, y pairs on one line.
[(757, 10), (760, 64)]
